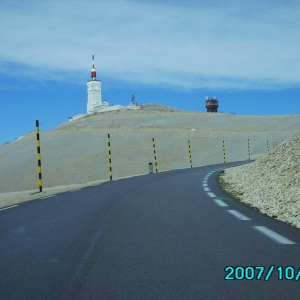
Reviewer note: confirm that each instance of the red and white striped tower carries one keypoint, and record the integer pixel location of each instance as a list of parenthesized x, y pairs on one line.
[(93, 91), (93, 70)]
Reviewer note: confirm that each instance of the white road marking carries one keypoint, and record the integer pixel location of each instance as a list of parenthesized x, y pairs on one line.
[(47, 197), (238, 215), (220, 202), (9, 207), (74, 190), (210, 194), (204, 184), (207, 189), (273, 235)]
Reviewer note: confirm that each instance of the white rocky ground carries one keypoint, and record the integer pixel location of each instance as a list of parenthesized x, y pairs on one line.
[(75, 154), (271, 183)]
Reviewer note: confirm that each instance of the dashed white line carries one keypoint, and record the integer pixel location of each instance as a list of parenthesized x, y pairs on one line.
[(273, 235), (220, 202), (207, 189), (238, 215), (204, 184), (210, 194), (8, 207)]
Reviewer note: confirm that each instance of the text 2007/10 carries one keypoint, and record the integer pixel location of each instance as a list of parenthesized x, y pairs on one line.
[(261, 273)]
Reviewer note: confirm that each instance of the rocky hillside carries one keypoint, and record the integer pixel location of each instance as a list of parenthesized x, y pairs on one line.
[(271, 184)]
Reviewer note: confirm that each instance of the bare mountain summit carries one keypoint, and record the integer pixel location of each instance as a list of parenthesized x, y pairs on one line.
[(76, 152)]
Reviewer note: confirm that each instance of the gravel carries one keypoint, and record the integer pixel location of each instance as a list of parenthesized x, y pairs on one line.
[(271, 183)]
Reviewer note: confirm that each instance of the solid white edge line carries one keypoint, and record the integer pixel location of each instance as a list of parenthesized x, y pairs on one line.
[(220, 202), (47, 197), (210, 194), (273, 235), (207, 189), (75, 190), (238, 215), (9, 207)]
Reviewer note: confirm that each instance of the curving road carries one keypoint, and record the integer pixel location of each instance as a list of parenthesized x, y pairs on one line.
[(166, 235)]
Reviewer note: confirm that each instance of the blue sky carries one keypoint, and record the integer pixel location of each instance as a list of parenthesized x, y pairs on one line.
[(247, 53)]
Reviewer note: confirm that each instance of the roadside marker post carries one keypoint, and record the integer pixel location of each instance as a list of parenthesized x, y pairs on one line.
[(155, 161), (249, 149), (109, 158), (224, 152), (38, 144), (190, 154), (268, 145)]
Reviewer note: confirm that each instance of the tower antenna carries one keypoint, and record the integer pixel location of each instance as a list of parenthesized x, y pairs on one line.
[(93, 70)]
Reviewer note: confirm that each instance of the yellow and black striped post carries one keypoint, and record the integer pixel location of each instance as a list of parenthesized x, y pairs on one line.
[(39, 155), (268, 145), (224, 152), (249, 149), (155, 161), (190, 153), (109, 158)]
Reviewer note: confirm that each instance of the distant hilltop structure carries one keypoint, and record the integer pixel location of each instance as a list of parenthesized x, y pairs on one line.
[(94, 95), (211, 104), (94, 92)]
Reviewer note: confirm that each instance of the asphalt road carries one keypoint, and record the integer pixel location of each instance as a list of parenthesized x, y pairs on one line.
[(167, 235)]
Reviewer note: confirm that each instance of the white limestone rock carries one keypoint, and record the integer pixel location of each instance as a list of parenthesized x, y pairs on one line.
[(271, 183)]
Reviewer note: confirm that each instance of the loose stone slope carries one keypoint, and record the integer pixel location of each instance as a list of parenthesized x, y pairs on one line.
[(271, 183)]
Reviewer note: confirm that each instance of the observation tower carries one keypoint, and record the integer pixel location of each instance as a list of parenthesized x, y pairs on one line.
[(211, 104)]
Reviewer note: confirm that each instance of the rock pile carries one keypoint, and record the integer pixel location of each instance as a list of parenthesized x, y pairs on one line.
[(271, 183)]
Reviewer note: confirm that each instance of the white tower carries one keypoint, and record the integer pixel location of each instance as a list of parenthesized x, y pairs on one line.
[(93, 91)]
